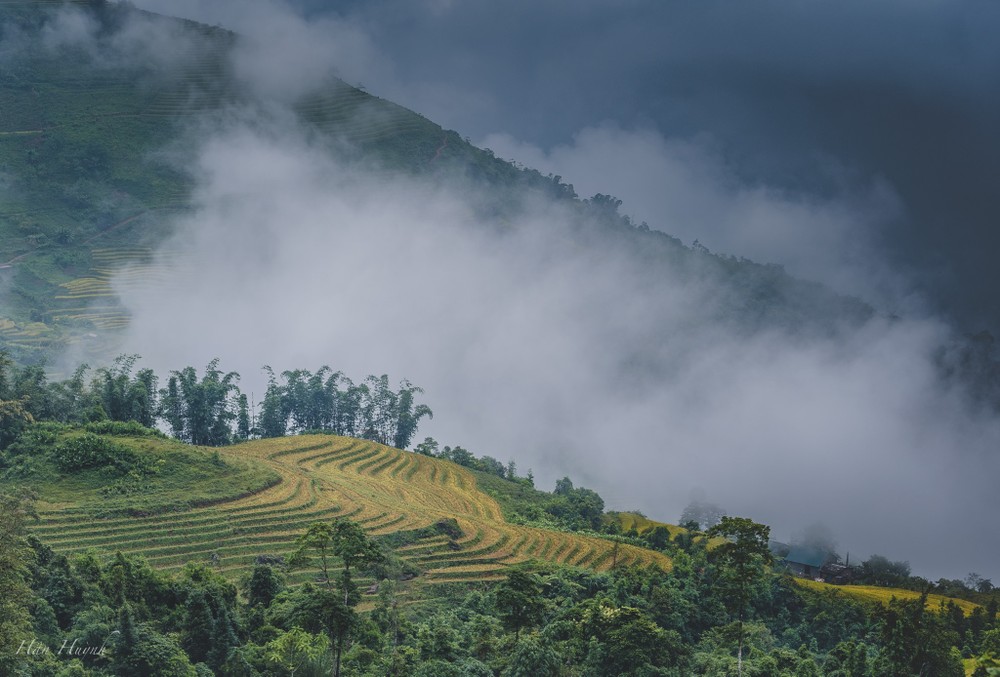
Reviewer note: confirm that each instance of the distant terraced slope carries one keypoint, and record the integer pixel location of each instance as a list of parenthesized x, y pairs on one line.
[(322, 477), (91, 142)]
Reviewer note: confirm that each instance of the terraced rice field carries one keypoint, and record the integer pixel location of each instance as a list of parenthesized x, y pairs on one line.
[(322, 477), (94, 300), (33, 334)]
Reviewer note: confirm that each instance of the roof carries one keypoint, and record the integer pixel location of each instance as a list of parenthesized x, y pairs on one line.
[(809, 556)]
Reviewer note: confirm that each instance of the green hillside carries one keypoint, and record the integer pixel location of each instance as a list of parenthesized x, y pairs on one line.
[(227, 507), (93, 165), (86, 476)]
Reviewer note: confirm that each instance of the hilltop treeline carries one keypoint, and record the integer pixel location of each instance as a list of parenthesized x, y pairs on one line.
[(209, 409)]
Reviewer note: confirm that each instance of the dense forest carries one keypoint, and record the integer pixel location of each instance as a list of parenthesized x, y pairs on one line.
[(719, 611)]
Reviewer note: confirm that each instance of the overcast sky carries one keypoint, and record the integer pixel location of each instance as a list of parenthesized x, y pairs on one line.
[(855, 143)]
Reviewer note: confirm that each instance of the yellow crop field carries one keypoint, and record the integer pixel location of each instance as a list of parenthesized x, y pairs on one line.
[(642, 524), (324, 476), (871, 593)]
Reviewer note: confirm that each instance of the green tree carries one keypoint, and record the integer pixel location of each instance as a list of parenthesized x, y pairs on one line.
[(294, 650), (124, 397), (243, 424), (355, 549), (324, 610), (658, 537), (564, 487), (263, 586), (127, 640), (879, 570), (273, 419), (344, 540), (741, 562), (519, 601), (315, 543), (378, 410), (14, 414), (848, 659), (14, 417), (201, 411), (15, 594), (223, 639), (140, 650), (428, 447), (30, 385), (991, 642), (349, 418), (172, 407), (532, 658), (916, 641), (459, 455), (73, 401), (196, 629), (408, 414)]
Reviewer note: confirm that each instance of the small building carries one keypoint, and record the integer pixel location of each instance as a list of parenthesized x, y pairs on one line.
[(806, 561), (818, 564), (838, 574)]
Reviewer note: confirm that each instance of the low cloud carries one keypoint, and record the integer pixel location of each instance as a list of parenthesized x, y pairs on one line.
[(686, 188), (123, 40), (281, 54), (561, 352)]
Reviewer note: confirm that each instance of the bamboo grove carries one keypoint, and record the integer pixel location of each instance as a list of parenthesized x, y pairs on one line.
[(210, 409)]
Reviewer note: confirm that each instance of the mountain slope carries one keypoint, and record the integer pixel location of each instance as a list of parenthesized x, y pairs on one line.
[(450, 530), (96, 137)]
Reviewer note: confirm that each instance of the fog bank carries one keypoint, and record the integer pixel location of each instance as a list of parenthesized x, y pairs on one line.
[(564, 356)]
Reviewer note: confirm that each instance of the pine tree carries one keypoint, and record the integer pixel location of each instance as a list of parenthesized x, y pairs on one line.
[(197, 628), (223, 639), (127, 644)]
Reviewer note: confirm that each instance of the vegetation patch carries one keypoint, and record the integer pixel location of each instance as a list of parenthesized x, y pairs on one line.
[(93, 475)]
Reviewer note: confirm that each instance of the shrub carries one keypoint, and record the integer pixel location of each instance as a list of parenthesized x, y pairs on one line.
[(123, 428), (92, 451)]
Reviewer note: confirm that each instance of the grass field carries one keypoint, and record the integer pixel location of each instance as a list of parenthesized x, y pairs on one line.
[(319, 477)]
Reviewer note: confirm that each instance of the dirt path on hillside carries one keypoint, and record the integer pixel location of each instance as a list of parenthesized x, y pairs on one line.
[(113, 227), (444, 144)]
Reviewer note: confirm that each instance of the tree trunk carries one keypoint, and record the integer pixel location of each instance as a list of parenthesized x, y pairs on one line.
[(739, 653), (336, 663)]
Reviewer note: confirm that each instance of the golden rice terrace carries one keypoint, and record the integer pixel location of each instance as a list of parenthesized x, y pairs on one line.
[(322, 477)]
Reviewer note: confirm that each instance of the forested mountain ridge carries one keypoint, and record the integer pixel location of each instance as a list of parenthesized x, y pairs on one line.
[(93, 171)]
